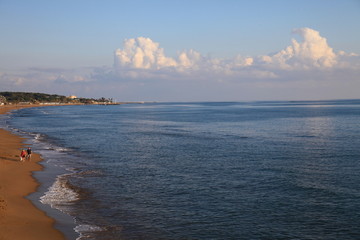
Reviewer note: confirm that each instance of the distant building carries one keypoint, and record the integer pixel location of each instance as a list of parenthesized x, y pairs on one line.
[(72, 97)]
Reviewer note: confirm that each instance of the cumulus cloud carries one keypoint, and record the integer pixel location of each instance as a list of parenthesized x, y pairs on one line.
[(142, 53), (312, 52), (142, 57)]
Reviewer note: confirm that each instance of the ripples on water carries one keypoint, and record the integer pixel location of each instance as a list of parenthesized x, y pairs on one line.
[(270, 170)]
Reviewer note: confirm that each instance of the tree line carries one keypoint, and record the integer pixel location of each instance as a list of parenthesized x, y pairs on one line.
[(28, 97)]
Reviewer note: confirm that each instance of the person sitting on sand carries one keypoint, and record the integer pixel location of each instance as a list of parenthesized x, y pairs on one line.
[(28, 153), (22, 155)]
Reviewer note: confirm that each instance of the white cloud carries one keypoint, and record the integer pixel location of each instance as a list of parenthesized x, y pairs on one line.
[(189, 59), (143, 58), (142, 53), (312, 52)]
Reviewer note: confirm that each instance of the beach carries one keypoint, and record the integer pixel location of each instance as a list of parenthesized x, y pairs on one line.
[(19, 218)]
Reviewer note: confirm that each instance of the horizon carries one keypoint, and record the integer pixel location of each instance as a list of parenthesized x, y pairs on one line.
[(203, 51)]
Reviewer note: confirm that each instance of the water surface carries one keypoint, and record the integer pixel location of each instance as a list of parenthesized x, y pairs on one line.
[(260, 170)]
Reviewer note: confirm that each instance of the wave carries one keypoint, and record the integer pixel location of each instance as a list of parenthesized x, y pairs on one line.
[(85, 231), (61, 193), (58, 149)]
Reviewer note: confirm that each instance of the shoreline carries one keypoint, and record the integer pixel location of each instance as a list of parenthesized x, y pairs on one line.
[(19, 217)]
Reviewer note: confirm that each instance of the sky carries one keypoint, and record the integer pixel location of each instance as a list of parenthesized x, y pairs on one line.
[(182, 50)]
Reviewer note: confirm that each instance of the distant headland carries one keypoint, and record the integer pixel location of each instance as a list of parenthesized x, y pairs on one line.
[(29, 98)]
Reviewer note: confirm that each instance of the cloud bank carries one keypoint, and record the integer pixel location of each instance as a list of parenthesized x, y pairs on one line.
[(313, 52), (141, 68)]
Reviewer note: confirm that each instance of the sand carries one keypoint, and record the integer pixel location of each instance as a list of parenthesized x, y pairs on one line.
[(19, 218)]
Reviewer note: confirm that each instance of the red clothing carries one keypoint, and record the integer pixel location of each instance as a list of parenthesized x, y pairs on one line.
[(23, 153)]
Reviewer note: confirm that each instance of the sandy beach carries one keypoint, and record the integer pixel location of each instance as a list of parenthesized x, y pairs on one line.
[(19, 218)]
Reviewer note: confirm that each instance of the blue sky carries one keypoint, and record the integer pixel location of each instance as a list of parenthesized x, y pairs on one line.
[(189, 50)]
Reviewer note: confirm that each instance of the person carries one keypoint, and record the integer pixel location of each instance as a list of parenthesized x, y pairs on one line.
[(22, 155), (28, 153)]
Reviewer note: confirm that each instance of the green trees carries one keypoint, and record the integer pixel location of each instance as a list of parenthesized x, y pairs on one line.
[(18, 97), (28, 97)]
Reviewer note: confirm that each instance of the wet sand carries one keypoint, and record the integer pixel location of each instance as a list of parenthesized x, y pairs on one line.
[(19, 218)]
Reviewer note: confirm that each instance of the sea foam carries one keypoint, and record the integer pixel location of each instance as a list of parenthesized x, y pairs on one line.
[(85, 231), (60, 193)]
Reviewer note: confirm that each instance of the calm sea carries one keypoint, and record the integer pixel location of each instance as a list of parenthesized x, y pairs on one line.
[(258, 170)]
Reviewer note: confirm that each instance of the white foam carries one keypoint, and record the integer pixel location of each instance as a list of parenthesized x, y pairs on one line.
[(84, 230), (57, 149), (87, 228), (59, 194), (61, 149), (37, 137), (45, 112)]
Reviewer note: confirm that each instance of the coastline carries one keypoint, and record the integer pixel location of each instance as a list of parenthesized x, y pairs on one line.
[(19, 218)]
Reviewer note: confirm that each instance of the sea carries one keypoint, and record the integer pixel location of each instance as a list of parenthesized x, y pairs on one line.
[(198, 170)]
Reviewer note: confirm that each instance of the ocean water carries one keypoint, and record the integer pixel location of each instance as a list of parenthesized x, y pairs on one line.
[(258, 170)]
